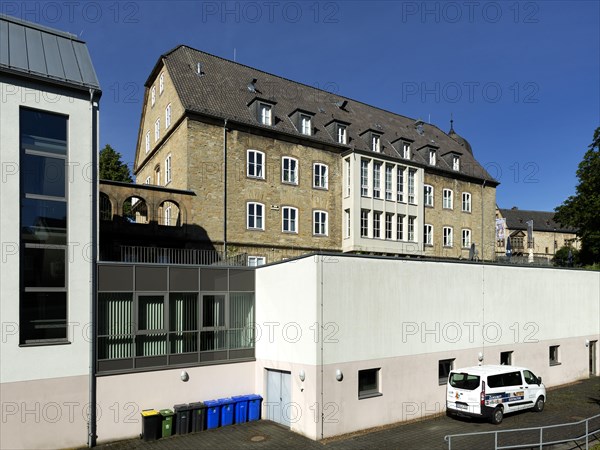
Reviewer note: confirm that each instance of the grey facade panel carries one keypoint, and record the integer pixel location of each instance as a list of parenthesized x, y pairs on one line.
[(69, 60), (110, 365), (186, 358), (4, 43), (35, 51), (17, 49), (241, 354), (115, 278), (213, 279), (213, 356), (183, 279), (53, 61), (150, 361), (241, 280), (151, 279)]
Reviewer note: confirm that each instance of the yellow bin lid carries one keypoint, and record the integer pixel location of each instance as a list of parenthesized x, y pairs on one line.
[(149, 412)]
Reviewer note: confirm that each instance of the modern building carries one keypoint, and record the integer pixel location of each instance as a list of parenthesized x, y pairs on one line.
[(280, 168), (49, 143), (535, 230)]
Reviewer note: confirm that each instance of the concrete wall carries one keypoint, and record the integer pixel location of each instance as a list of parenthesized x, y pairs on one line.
[(51, 367)]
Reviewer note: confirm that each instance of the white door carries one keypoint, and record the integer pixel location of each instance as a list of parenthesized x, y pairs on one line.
[(278, 407)]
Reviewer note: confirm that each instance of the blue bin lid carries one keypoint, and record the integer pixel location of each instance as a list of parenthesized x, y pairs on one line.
[(226, 401), (254, 397), (212, 403), (240, 398)]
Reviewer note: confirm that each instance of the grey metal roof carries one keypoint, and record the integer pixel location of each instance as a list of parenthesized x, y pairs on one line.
[(39, 52), (516, 219), (221, 90)]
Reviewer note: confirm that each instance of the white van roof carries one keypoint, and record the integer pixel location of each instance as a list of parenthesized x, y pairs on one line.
[(488, 369)]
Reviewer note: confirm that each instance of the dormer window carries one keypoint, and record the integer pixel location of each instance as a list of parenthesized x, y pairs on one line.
[(375, 142), (342, 134), (305, 124), (406, 151), (264, 114), (432, 157), (455, 163)]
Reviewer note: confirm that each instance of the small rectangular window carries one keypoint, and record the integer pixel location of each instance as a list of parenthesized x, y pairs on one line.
[(506, 358), (466, 238), (254, 261), (428, 198), (369, 383), (342, 134), (447, 199), (447, 236), (376, 143), (466, 202), (406, 151), (428, 234), (456, 163), (376, 224), (554, 355), (432, 157), (364, 223), (445, 366), (265, 114), (305, 124)]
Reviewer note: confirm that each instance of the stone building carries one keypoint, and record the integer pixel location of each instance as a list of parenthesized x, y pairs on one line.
[(280, 168)]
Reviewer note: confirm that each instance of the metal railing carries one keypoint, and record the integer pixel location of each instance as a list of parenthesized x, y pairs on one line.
[(585, 430), (158, 255)]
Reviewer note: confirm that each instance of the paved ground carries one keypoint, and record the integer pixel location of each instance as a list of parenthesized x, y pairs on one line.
[(568, 404)]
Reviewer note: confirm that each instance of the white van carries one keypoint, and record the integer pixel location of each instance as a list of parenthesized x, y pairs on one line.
[(492, 391)]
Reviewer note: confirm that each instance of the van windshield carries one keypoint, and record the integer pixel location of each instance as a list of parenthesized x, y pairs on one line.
[(464, 381)]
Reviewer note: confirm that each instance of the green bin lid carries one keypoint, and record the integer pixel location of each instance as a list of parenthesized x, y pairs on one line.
[(166, 412)]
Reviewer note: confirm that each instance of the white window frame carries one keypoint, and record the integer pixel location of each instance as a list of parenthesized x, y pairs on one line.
[(305, 124), (456, 163), (428, 195), (412, 198), (447, 199), (320, 176), (377, 224), (447, 237), (161, 83), (375, 143), (255, 169), (258, 214), (289, 219), (389, 226), (377, 179), (412, 223), (168, 116), (400, 183), (348, 218), (364, 223), (153, 95), (157, 130), (465, 238), (265, 113), (148, 180), (432, 157), (168, 172), (289, 170), (400, 227), (254, 261), (320, 223), (428, 234), (406, 151), (167, 214), (466, 202), (147, 141), (389, 182), (364, 177), (348, 177), (342, 134)]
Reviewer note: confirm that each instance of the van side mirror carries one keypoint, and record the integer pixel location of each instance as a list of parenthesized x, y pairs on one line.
[(539, 380)]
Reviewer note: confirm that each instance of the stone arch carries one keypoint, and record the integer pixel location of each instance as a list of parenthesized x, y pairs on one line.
[(106, 207), (135, 210), (169, 213)]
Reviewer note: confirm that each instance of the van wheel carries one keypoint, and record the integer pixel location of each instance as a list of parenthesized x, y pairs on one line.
[(497, 416), (539, 405)]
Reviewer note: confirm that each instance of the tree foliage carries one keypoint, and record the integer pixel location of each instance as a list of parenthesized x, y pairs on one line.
[(111, 166), (582, 210)]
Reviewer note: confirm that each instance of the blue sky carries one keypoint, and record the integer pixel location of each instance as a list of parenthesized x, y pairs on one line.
[(522, 79)]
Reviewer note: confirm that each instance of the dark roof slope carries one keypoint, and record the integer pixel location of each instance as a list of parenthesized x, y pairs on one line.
[(542, 220), (34, 51), (221, 90)]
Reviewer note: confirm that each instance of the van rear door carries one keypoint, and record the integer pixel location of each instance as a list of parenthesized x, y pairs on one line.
[(464, 393)]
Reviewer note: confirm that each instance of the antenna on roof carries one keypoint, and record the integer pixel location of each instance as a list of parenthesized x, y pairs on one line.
[(199, 71), (451, 123), (252, 85), (234, 54), (341, 104)]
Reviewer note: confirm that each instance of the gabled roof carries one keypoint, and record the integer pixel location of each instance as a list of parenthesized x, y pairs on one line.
[(516, 219), (221, 90), (34, 51)]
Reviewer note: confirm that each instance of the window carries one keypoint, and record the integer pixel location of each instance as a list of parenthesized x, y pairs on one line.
[(148, 180), (368, 383), (348, 176), (376, 143), (43, 219), (406, 151), (388, 181), (305, 124), (255, 166), (466, 202), (254, 261), (168, 116), (388, 225), (400, 184), (342, 134), (411, 228), (153, 95), (530, 377), (157, 130), (432, 157), (554, 356), (320, 223), (506, 358), (255, 213), (447, 199), (321, 176), (447, 237), (157, 175), (289, 170), (376, 179), (428, 197), (348, 222), (147, 142), (364, 223), (168, 216), (364, 177), (168, 169), (466, 238), (289, 219), (376, 224), (265, 114), (411, 186), (400, 227), (161, 83), (505, 380), (428, 234), (445, 366), (455, 163)]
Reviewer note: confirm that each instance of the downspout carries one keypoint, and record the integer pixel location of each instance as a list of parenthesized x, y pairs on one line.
[(482, 223), (94, 255), (225, 190), (321, 339)]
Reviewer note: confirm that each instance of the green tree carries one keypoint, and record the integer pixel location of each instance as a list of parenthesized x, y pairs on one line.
[(582, 210), (561, 258), (111, 166)]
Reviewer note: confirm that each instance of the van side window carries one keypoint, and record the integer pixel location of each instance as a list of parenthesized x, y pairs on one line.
[(505, 379), (530, 378)]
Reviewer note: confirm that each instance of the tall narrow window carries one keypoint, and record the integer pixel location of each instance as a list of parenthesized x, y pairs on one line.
[(168, 216), (147, 142), (447, 236), (265, 114), (168, 169), (255, 164), (406, 151), (428, 234), (364, 223), (305, 124), (153, 95), (411, 186), (44, 205), (157, 130), (388, 225), (254, 215), (447, 199), (289, 170), (376, 179), (157, 175), (432, 157), (320, 223), (400, 227), (411, 228), (348, 222), (466, 238), (376, 143), (289, 219), (388, 181), (455, 163), (342, 134), (376, 224), (320, 176), (161, 83), (400, 184), (428, 197), (348, 176), (168, 116), (364, 177), (466, 202)]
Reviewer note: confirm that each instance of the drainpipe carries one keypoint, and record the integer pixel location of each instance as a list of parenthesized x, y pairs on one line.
[(225, 190), (94, 255), (482, 224)]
